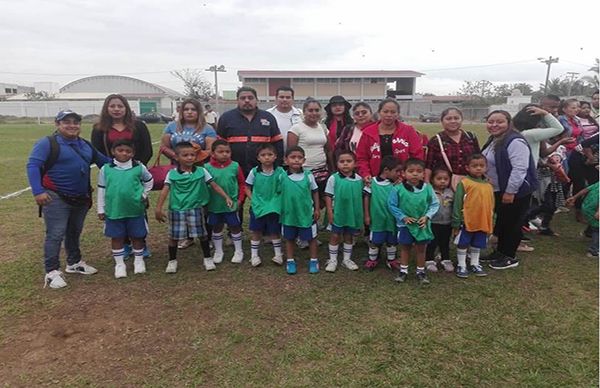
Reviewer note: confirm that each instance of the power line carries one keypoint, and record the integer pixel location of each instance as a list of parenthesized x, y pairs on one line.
[(479, 66)]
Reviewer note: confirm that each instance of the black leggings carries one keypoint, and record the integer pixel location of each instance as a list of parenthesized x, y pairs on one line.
[(441, 239), (509, 218), (546, 209)]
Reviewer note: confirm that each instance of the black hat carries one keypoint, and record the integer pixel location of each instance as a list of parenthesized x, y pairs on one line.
[(338, 100)]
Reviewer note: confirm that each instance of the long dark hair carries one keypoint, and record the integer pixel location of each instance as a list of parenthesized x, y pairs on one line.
[(525, 120), (200, 124), (106, 121), (330, 117)]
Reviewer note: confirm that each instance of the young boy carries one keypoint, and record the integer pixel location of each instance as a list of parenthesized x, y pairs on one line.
[(472, 218), (187, 189), (589, 208), (299, 208), (344, 188), (229, 176), (413, 203), (265, 203), (123, 188)]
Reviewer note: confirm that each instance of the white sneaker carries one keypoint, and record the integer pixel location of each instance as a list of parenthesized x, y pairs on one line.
[(331, 265), (277, 260), (54, 279), (431, 266), (532, 226), (171, 267), (183, 244), (218, 257), (537, 221), (120, 271), (448, 266), (81, 268), (209, 265), (139, 266), (255, 261), (238, 257), (350, 264)]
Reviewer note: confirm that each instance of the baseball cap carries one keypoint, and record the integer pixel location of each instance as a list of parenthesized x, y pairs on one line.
[(64, 113)]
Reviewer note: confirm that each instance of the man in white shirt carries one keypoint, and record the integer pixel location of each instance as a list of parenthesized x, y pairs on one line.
[(285, 112), (210, 116)]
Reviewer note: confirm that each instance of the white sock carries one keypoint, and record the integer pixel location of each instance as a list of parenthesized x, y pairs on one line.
[(373, 253), (277, 247), (461, 255), (254, 245), (237, 241), (217, 239), (119, 255), (474, 253), (347, 251), (420, 269), (403, 268), (391, 253), (333, 251), (138, 254)]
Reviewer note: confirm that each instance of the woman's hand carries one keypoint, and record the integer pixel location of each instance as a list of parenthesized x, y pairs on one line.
[(508, 198)]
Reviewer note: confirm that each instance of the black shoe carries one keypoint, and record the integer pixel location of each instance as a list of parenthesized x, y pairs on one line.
[(495, 255), (504, 263), (422, 278), (547, 232), (401, 277)]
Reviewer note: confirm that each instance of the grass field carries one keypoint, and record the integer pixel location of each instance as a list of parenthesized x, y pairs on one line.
[(536, 325)]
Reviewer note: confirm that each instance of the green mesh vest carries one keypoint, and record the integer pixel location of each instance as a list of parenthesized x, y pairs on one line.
[(188, 191), (415, 205), (382, 219), (227, 178), (348, 202), (124, 189), (296, 202), (266, 198)]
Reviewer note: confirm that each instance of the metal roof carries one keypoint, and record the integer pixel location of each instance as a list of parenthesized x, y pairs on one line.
[(328, 74)]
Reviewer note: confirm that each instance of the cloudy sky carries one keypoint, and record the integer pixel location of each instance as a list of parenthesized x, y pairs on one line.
[(64, 40)]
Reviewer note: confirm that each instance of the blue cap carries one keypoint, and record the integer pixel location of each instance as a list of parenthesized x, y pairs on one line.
[(64, 113)]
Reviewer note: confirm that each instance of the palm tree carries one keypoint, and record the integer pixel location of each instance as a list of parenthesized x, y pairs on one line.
[(592, 79)]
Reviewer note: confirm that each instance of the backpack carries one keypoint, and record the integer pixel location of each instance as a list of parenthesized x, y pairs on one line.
[(55, 152)]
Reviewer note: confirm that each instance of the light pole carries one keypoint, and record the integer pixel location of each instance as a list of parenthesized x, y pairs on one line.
[(571, 75), (549, 63), (216, 69)]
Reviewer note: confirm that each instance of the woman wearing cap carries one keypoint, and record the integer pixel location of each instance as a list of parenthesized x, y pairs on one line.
[(386, 137), (350, 135), (117, 122), (338, 116)]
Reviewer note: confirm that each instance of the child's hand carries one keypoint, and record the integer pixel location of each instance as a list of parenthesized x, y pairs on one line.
[(229, 202), (422, 222), (409, 220), (367, 220), (596, 215), (367, 180), (570, 201), (101, 216), (160, 215), (455, 232), (330, 216), (317, 215)]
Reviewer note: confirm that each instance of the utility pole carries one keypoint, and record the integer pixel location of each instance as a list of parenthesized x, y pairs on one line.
[(216, 69), (571, 75), (549, 63)]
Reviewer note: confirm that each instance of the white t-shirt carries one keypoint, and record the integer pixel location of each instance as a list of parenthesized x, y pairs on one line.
[(286, 120), (313, 141), (210, 117)]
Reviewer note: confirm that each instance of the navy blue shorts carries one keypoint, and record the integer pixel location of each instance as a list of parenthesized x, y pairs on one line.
[(132, 227), (230, 218), (343, 230), (472, 239), (378, 238), (405, 238), (268, 225), (304, 234)]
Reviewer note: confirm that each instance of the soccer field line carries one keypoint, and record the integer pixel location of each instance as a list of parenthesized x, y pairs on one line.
[(19, 192)]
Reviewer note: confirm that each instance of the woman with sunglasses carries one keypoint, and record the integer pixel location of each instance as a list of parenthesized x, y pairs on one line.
[(351, 133)]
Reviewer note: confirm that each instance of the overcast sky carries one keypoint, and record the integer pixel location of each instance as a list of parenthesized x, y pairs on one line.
[(449, 41)]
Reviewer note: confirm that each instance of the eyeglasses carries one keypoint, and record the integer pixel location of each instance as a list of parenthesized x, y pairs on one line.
[(361, 112)]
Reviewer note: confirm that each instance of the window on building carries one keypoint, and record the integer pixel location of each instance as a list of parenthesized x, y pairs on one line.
[(7, 90), (377, 80)]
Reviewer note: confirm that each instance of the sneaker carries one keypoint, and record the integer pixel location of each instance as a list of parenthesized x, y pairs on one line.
[(532, 227), (525, 229), (331, 265), (147, 252), (313, 266), (523, 247), (422, 278), (401, 277), (448, 265), (504, 263), (255, 261), (277, 259), (537, 221), (209, 265), (350, 264), (54, 279), (591, 255), (431, 266), (120, 271), (302, 244), (290, 267), (547, 232), (171, 266), (218, 257), (394, 265), (184, 244), (139, 266), (81, 268), (477, 270), (462, 272), (238, 257), (370, 265), (562, 209)]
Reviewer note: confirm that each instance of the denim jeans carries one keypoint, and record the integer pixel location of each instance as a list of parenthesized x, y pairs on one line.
[(63, 222), (593, 248)]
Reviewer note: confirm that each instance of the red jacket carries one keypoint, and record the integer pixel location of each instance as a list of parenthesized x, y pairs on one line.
[(406, 143)]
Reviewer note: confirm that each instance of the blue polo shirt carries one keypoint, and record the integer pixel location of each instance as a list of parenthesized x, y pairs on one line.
[(245, 136)]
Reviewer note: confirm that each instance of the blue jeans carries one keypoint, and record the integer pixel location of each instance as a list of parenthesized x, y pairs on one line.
[(593, 248), (63, 222)]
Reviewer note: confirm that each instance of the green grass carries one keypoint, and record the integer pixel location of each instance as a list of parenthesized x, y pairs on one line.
[(240, 326)]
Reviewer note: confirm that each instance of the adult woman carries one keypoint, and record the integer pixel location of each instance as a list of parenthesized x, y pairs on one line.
[(117, 122), (452, 147), (511, 170), (570, 122), (589, 125), (190, 127), (350, 135), (386, 137), (338, 116)]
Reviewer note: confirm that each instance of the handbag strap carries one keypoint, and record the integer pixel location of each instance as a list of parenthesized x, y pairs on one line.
[(157, 162), (444, 156)]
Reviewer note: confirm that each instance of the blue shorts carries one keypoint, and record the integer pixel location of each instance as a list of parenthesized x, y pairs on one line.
[(405, 238), (378, 238), (268, 225), (186, 223), (132, 227), (472, 239), (230, 218), (343, 230), (304, 234)]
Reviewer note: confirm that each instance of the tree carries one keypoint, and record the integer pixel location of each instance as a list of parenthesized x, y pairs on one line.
[(481, 91), (195, 86), (592, 79)]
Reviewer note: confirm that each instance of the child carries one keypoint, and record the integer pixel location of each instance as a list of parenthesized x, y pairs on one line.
[(413, 203), (229, 176), (299, 208), (265, 202), (472, 218), (377, 213), (123, 188), (187, 189), (441, 221), (589, 208), (347, 218)]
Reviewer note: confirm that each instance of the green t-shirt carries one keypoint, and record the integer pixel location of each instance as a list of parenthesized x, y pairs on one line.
[(123, 192), (347, 200), (589, 206), (296, 201), (415, 204), (382, 219), (266, 196), (227, 178), (188, 190)]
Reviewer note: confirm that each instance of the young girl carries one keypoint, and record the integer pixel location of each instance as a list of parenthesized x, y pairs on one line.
[(441, 221)]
